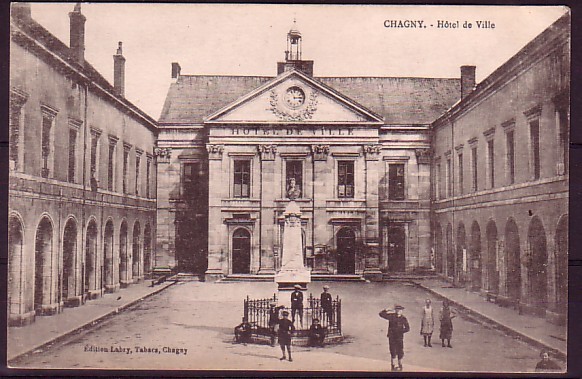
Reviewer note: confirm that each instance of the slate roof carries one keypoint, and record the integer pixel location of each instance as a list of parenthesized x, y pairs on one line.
[(60, 49), (401, 101)]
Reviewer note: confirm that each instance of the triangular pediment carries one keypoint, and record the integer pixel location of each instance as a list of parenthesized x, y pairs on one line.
[(294, 97)]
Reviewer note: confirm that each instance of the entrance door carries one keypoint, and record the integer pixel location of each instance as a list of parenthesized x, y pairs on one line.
[(396, 248), (241, 252), (346, 251)]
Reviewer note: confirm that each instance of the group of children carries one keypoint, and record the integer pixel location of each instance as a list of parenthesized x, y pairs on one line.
[(282, 328)]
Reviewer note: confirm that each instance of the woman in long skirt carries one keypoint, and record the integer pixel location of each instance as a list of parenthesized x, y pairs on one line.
[(427, 323), (446, 317)]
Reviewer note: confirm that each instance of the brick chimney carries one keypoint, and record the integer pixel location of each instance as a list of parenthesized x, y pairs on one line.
[(119, 71), (77, 34), (176, 70), (21, 11), (467, 80)]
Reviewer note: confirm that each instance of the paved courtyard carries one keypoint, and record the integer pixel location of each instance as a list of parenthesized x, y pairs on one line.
[(193, 321)]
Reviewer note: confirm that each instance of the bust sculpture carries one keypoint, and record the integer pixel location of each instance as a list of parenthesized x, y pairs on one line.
[(293, 191)]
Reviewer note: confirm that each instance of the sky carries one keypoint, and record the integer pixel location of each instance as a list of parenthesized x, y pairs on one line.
[(343, 40)]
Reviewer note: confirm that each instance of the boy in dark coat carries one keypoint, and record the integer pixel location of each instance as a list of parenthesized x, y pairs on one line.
[(397, 326), (297, 304), (274, 320), (286, 328), (326, 304), (316, 333), (242, 332)]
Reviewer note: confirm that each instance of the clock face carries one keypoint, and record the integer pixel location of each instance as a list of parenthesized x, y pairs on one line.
[(294, 97)]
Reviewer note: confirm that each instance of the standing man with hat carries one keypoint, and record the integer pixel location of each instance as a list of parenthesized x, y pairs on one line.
[(297, 303), (326, 304), (397, 326), (286, 328)]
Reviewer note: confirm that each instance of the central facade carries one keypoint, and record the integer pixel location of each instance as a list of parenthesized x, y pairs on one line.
[(354, 151)]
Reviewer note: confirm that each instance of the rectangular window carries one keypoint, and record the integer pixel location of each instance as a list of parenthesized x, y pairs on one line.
[(242, 178), (46, 147), (511, 156), (110, 166), (474, 164), (72, 154), (563, 148), (449, 178), (396, 181), (345, 179), (148, 168), (437, 189), (15, 116), (491, 162), (294, 170), (190, 182), (125, 164), (94, 141), (137, 178), (461, 174), (534, 127)]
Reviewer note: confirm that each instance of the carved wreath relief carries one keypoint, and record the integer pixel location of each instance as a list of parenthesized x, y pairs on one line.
[(293, 103)]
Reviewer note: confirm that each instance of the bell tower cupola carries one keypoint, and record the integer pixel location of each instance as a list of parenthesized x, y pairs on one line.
[(293, 53)]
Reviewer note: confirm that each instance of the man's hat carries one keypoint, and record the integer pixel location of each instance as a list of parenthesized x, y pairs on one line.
[(272, 303), (398, 306), (285, 313), (326, 287), (297, 286)]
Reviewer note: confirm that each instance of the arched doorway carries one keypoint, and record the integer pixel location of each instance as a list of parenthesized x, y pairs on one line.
[(147, 249), (16, 303), (450, 257), (396, 248), (492, 271), (438, 237), (512, 256), (91, 257), (562, 264), (43, 251), (461, 255), (241, 251), (123, 278), (537, 262), (475, 262), (69, 285), (108, 256), (136, 252)]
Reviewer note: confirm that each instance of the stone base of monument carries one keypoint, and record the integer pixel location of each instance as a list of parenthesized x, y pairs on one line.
[(373, 275), (286, 280)]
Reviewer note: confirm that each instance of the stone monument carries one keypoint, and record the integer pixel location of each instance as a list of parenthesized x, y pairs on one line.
[(292, 270)]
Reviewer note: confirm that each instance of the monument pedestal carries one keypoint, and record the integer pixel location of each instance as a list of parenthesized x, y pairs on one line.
[(292, 269)]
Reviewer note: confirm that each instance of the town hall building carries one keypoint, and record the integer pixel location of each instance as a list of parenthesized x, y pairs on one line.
[(392, 175)]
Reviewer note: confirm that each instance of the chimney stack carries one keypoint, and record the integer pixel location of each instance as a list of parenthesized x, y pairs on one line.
[(175, 70), (77, 34), (119, 71), (21, 11), (467, 80)]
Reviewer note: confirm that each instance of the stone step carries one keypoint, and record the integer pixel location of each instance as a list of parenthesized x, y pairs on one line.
[(249, 278), (337, 278), (186, 277), (314, 278)]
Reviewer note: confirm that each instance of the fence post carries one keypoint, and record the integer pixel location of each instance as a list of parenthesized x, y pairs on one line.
[(246, 309), (339, 315)]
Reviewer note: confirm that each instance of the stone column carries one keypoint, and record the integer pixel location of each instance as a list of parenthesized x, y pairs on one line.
[(423, 160), (372, 240), (268, 194), (168, 177), (217, 266), (322, 182)]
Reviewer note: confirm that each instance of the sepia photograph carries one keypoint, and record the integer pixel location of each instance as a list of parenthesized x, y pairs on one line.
[(277, 187)]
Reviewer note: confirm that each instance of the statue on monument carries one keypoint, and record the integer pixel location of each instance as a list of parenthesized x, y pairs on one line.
[(293, 190)]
